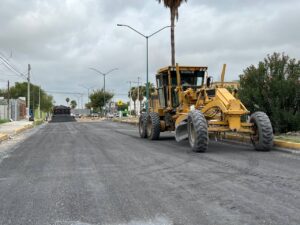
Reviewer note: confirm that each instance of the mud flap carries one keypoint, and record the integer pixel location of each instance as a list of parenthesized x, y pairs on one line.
[(181, 132)]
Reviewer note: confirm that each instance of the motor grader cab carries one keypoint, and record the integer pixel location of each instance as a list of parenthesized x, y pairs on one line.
[(186, 102)]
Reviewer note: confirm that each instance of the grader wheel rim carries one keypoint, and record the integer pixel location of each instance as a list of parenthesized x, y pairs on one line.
[(255, 136), (192, 133), (142, 126), (149, 127)]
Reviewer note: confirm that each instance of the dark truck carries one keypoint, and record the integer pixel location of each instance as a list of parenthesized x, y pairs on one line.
[(62, 113)]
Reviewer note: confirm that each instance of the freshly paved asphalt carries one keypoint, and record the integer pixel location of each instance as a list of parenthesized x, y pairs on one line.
[(103, 173)]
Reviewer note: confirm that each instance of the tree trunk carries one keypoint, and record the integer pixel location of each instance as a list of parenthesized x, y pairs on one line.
[(172, 12), (134, 106)]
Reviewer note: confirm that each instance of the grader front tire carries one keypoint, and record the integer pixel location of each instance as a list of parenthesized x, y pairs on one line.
[(197, 131), (142, 125), (153, 126), (262, 139)]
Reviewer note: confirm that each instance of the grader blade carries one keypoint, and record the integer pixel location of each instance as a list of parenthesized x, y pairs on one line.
[(181, 132)]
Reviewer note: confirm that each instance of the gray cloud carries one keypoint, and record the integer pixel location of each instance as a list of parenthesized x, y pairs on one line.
[(61, 39)]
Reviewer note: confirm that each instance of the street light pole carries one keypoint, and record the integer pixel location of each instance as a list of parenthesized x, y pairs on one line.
[(103, 74), (147, 57), (88, 91)]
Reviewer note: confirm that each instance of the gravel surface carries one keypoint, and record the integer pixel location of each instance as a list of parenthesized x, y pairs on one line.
[(103, 173)]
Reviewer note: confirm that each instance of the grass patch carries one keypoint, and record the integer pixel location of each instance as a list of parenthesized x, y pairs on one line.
[(38, 122), (4, 121), (295, 139)]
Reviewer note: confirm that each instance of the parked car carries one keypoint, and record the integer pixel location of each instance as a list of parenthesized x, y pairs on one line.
[(110, 115)]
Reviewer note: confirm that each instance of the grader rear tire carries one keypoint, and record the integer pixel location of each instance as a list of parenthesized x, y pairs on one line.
[(142, 125), (197, 131), (262, 139), (153, 126)]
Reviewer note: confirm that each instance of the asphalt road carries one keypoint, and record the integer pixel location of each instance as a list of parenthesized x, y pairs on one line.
[(103, 173)]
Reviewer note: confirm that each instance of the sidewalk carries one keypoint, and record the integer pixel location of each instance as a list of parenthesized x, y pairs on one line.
[(12, 128)]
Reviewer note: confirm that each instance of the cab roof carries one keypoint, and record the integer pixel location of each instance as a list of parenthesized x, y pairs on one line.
[(173, 68)]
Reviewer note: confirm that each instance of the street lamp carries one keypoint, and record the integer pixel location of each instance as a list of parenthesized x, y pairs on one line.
[(88, 90), (147, 69), (103, 74)]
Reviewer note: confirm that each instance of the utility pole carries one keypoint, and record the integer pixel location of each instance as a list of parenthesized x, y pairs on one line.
[(138, 83), (28, 91), (39, 102), (129, 96), (8, 97)]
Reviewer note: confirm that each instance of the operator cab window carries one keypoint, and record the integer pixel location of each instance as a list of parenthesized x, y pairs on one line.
[(192, 79), (162, 82)]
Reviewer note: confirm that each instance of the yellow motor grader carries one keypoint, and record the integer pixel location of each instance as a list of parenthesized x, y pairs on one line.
[(187, 102)]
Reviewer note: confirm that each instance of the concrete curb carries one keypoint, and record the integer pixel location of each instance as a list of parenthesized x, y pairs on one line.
[(3, 137), (287, 144), (277, 143), (21, 129), (127, 122)]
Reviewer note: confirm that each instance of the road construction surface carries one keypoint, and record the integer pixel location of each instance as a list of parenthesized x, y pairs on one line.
[(103, 173)]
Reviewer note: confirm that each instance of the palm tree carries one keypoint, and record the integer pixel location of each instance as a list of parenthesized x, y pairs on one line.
[(142, 90), (173, 5), (67, 100), (133, 93), (73, 104)]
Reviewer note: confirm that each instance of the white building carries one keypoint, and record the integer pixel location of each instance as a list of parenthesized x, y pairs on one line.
[(138, 107)]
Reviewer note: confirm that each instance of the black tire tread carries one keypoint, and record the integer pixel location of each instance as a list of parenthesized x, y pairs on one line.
[(265, 131), (200, 126), (155, 120)]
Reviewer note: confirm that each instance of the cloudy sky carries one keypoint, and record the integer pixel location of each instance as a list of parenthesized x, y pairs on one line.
[(61, 39)]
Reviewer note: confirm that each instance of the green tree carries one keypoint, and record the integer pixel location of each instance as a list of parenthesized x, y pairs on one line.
[(20, 90), (274, 87), (97, 98), (151, 89), (73, 104), (67, 100), (88, 105), (173, 5)]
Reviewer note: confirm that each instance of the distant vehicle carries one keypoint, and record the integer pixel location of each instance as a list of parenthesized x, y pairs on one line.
[(110, 115), (61, 110), (95, 115), (77, 115)]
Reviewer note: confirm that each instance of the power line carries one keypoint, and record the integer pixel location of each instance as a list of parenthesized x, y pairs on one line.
[(11, 67), (65, 92)]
